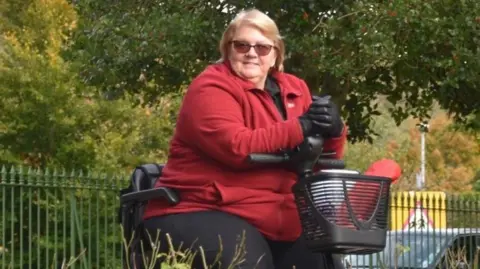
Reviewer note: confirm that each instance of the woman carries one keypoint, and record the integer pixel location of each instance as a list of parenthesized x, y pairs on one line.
[(243, 104)]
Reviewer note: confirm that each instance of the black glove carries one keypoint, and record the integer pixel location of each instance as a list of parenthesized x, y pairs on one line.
[(323, 118)]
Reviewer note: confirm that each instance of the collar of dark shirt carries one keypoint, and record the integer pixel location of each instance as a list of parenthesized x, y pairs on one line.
[(271, 86)]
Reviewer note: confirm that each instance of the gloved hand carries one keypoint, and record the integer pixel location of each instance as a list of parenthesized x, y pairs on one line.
[(322, 118)]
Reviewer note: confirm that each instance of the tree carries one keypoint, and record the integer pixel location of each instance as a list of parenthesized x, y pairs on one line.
[(49, 118), (37, 92), (476, 185), (452, 158), (414, 52)]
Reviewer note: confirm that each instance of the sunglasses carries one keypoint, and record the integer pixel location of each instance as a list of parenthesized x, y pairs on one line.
[(244, 47)]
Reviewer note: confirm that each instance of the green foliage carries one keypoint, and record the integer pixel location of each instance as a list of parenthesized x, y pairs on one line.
[(35, 86), (476, 181), (144, 47), (49, 118), (123, 136)]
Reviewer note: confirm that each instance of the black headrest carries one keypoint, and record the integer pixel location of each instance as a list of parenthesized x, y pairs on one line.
[(145, 176)]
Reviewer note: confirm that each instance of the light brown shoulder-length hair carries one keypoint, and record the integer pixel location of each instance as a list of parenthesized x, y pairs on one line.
[(261, 21)]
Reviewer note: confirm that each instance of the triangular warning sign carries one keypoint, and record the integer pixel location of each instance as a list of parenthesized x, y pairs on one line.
[(418, 219)]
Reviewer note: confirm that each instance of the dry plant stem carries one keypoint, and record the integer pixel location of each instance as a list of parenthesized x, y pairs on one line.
[(456, 257), (155, 249), (126, 246), (175, 259), (240, 251), (476, 259), (202, 254), (72, 260)]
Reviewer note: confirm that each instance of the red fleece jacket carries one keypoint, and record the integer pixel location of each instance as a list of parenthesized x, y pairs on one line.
[(223, 119)]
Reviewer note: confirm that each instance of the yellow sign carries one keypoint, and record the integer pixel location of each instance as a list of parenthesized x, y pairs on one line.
[(418, 210)]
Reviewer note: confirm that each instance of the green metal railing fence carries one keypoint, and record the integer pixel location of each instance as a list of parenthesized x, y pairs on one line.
[(51, 217)]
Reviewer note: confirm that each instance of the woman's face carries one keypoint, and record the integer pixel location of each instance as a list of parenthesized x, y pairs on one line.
[(248, 62)]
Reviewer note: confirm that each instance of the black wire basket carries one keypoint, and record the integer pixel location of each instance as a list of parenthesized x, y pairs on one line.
[(343, 213)]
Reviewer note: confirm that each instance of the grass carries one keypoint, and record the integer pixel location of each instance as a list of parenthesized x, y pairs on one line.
[(179, 258), (175, 258)]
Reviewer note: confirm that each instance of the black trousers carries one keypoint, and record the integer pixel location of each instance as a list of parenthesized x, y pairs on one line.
[(191, 230)]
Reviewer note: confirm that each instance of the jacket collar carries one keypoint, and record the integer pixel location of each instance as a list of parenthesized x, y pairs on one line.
[(285, 86)]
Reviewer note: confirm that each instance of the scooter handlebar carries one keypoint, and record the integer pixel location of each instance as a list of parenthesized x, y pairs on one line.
[(307, 155), (266, 158), (331, 163)]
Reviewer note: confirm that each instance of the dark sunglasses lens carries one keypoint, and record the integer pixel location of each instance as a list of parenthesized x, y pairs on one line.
[(262, 50), (241, 47)]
